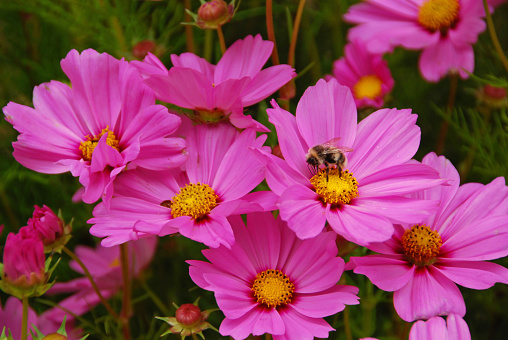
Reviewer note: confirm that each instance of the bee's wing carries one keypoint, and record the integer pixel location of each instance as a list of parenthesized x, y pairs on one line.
[(334, 143)]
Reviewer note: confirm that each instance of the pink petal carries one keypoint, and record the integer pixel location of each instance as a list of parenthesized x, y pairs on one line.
[(244, 58), (325, 303), (359, 225), (299, 326), (486, 239), (435, 328), (444, 57), (192, 61), (473, 274), (265, 83), (212, 231), (95, 85), (261, 244), (389, 273), (182, 87), (292, 145), (305, 214), (327, 111), (385, 138), (427, 294), (258, 321), (149, 66), (457, 327)]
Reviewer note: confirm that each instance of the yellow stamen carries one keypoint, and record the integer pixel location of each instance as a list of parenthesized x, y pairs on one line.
[(273, 288), (115, 263), (194, 200), (368, 87), (421, 245), (338, 188), (90, 143), (439, 15)]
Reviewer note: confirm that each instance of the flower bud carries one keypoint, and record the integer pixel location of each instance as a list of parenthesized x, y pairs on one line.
[(141, 49), (48, 227), (493, 96), (55, 336), (189, 320), (214, 14), (24, 261)]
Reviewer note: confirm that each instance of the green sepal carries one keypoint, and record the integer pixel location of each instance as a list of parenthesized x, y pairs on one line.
[(5, 337)]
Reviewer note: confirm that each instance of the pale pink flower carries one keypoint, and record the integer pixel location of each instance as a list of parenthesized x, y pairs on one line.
[(220, 173), (455, 328), (361, 203), (366, 74), (444, 29), (267, 258), (423, 262), (105, 122), (11, 315), (104, 264), (222, 91)]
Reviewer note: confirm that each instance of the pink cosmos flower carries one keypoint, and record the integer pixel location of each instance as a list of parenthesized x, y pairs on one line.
[(455, 328), (222, 91), (361, 202), (11, 316), (423, 262), (105, 268), (444, 29), (366, 74), (272, 282), (220, 171), (104, 123), (46, 225)]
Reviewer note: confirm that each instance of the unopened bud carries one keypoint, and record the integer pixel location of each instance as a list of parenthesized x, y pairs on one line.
[(55, 336), (141, 49), (188, 315), (214, 13)]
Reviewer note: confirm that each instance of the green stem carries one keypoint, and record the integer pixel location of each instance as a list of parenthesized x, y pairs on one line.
[(493, 36), (347, 324), (294, 37), (221, 40), (90, 278), (188, 28), (207, 53), (155, 299), (126, 298), (271, 32), (24, 319), (446, 124)]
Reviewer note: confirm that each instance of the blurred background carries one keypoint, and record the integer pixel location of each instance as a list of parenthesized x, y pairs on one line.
[(36, 34)]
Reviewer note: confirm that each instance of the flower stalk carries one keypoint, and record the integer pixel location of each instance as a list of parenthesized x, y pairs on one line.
[(271, 32), (24, 319), (493, 36), (221, 40), (92, 282), (126, 299)]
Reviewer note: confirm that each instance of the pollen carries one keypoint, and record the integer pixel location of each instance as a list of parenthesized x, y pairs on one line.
[(194, 200), (338, 188), (439, 15), (273, 288), (421, 245), (90, 143), (368, 87)]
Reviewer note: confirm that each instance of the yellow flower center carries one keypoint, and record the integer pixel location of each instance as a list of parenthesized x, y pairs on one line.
[(421, 245), (338, 188), (90, 143), (367, 87), (208, 116), (194, 200), (273, 288), (439, 15)]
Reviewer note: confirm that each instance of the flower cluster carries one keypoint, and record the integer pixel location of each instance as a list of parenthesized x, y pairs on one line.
[(198, 167)]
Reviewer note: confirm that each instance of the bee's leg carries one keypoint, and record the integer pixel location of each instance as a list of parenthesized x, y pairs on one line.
[(340, 171), (327, 171)]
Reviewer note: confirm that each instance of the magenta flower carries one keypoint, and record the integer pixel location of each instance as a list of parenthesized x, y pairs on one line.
[(11, 315), (272, 282), (455, 328), (105, 267), (105, 123), (444, 29), (423, 262), (362, 202), (366, 74), (24, 261), (221, 171), (222, 91)]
